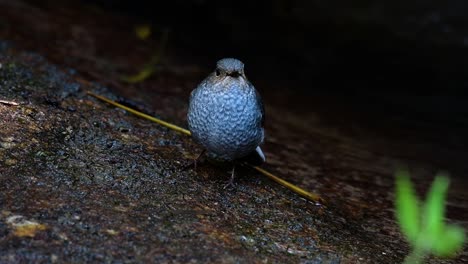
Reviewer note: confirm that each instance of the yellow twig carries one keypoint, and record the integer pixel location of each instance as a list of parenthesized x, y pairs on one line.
[(310, 196), (140, 114)]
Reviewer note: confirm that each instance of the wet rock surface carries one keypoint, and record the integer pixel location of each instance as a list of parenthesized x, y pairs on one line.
[(81, 181)]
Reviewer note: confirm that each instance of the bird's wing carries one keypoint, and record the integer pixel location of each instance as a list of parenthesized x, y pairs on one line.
[(261, 106), (192, 94)]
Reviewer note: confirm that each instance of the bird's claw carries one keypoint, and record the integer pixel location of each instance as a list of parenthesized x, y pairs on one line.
[(192, 164), (230, 184), (231, 180)]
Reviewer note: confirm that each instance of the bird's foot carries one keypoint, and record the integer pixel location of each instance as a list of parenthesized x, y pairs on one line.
[(231, 180), (230, 184), (194, 162)]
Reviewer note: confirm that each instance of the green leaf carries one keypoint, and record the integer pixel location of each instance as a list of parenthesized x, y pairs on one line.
[(434, 209), (407, 207), (143, 31), (449, 242), (141, 76)]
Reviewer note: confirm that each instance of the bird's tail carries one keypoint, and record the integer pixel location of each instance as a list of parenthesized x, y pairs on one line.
[(255, 158)]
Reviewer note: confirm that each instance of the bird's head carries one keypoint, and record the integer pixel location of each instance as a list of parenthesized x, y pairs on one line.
[(229, 67)]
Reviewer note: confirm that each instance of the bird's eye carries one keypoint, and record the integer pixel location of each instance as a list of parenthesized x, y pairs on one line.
[(218, 72)]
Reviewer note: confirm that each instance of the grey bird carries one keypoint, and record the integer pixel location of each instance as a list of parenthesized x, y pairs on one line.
[(226, 115)]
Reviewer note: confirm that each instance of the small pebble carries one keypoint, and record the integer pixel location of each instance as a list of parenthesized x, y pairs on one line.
[(8, 139), (7, 145), (10, 162)]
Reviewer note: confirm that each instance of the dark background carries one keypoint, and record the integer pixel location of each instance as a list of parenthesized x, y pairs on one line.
[(404, 56), (327, 45)]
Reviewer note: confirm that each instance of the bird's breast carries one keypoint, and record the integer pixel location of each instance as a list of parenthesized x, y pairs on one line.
[(226, 122)]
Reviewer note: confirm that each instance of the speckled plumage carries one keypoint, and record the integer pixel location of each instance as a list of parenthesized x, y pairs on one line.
[(226, 113)]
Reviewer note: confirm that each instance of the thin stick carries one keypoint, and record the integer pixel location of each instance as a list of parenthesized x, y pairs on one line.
[(8, 102), (140, 114), (310, 196)]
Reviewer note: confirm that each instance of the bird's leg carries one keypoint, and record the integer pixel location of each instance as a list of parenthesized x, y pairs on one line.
[(198, 158), (231, 180), (195, 161)]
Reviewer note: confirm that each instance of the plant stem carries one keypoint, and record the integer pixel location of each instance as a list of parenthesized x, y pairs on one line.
[(415, 257)]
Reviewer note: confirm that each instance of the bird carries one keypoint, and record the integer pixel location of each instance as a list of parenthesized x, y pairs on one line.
[(226, 116)]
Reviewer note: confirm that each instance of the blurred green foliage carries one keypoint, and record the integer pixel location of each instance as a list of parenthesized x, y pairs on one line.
[(143, 32), (423, 223)]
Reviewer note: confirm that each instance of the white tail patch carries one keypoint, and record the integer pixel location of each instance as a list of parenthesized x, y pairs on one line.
[(260, 153)]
